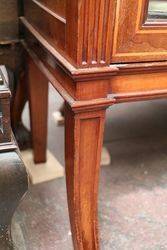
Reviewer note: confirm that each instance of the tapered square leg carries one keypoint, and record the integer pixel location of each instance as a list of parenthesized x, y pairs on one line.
[(83, 144), (38, 103)]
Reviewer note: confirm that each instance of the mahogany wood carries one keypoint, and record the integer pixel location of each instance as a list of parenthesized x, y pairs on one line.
[(38, 103), (84, 137), (46, 22), (58, 6), (98, 36), (143, 41)]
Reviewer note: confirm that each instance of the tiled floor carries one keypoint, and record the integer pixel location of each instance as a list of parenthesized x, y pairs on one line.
[(133, 190)]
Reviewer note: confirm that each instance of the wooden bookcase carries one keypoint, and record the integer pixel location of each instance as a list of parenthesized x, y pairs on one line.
[(96, 53)]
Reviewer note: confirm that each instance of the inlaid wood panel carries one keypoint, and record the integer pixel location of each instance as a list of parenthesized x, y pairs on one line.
[(46, 22), (134, 38)]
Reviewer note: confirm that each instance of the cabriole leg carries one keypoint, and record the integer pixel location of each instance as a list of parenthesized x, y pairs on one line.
[(83, 144)]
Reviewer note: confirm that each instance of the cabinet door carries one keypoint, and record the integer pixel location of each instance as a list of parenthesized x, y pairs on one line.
[(140, 32)]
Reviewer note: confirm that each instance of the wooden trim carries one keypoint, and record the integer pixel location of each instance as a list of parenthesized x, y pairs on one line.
[(145, 12), (89, 32), (145, 25), (84, 137), (47, 23), (96, 46), (138, 82), (76, 105), (47, 45), (95, 104), (141, 67), (48, 74), (42, 6), (140, 43), (139, 96), (94, 73), (72, 29), (63, 62)]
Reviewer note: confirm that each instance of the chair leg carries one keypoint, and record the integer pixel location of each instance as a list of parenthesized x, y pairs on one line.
[(38, 103), (13, 185), (83, 143)]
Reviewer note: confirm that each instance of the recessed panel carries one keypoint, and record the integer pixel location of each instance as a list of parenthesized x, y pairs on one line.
[(137, 38)]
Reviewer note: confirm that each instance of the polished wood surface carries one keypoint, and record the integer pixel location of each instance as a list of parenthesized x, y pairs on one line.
[(46, 23), (101, 53), (38, 103), (83, 40), (58, 6), (84, 137), (99, 35), (144, 41)]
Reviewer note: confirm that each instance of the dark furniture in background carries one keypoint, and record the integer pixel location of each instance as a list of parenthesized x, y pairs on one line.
[(13, 176), (11, 55)]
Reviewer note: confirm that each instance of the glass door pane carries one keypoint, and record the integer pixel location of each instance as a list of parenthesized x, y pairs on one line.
[(157, 10)]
